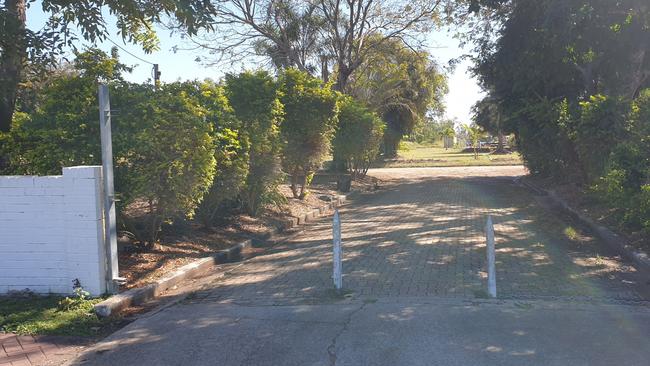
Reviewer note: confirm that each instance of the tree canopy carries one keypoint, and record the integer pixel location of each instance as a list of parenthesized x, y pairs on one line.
[(21, 47), (403, 86)]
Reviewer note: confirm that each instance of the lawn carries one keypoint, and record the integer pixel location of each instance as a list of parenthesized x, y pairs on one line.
[(416, 155), (31, 314)]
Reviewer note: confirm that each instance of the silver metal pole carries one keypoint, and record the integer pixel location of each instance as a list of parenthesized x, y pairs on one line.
[(338, 265), (489, 236), (110, 228)]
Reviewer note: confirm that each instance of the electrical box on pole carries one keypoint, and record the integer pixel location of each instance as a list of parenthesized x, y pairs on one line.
[(156, 75)]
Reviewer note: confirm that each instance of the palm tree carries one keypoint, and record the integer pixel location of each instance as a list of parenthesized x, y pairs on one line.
[(401, 85)]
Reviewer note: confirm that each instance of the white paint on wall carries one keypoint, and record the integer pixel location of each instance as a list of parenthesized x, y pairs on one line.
[(51, 232)]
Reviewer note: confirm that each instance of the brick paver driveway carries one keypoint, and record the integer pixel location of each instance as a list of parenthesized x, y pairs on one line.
[(422, 235), (413, 268)]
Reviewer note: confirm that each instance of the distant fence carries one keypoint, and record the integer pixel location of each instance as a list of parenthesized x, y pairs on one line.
[(52, 232)]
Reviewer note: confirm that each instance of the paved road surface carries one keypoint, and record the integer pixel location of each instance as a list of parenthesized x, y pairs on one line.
[(415, 278)]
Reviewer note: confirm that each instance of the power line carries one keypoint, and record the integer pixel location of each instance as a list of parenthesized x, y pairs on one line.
[(124, 49)]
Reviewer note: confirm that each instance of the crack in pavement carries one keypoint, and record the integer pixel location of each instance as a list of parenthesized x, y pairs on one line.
[(331, 349)]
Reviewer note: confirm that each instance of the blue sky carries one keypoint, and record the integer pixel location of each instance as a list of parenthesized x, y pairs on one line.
[(463, 89)]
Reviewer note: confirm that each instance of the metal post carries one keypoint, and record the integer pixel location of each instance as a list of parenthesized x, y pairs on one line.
[(156, 75), (338, 266), (110, 229), (489, 236)]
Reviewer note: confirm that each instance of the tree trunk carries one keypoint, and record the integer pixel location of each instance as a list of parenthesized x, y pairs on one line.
[(342, 76), (501, 144), (391, 143), (11, 62), (294, 185), (303, 187)]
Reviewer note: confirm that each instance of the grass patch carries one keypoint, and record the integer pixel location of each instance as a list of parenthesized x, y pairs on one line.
[(572, 233), (33, 314), (415, 155)]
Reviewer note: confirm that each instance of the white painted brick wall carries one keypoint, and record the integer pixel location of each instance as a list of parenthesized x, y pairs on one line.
[(52, 232)]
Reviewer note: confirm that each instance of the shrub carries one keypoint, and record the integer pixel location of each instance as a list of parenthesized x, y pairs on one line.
[(231, 153), (625, 183), (254, 99), (310, 116), (358, 137), (601, 126), (163, 150), (167, 160)]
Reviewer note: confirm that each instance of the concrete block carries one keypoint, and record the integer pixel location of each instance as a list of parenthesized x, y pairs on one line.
[(17, 181)]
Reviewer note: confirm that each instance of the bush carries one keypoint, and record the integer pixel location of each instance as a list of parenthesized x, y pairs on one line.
[(601, 126), (310, 116), (625, 182), (358, 137), (163, 150), (544, 141), (254, 99), (231, 153), (166, 161)]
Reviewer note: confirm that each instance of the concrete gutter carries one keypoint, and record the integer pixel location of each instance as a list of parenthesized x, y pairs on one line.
[(119, 302), (114, 304), (609, 237)]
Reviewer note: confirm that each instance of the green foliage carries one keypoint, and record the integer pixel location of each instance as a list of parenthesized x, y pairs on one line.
[(64, 128), (402, 86), (231, 149), (231, 155), (600, 127), (30, 51), (166, 160), (33, 314), (78, 300), (474, 133), (624, 184), (254, 99), (358, 137), (432, 131), (310, 116), (163, 150)]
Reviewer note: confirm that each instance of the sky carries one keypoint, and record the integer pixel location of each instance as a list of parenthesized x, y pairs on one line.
[(181, 65)]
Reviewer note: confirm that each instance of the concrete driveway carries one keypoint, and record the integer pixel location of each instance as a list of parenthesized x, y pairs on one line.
[(414, 277)]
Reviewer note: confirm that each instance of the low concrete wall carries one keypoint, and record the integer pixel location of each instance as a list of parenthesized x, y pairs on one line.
[(51, 232)]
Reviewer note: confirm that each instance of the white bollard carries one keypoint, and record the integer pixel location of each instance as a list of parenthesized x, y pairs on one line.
[(338, 266), (489, 237)]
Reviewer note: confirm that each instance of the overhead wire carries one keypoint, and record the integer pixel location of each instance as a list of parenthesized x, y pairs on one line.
[(125, 50)]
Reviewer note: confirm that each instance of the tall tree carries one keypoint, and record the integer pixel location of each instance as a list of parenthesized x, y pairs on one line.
[(487, 114), (402, 86), (284, 32), (21, 46), (306, 34), (356, 27)]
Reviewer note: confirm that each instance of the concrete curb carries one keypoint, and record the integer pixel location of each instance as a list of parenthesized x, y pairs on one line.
[(119, 302), (609, 237), (312, 215), (272, 237)]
